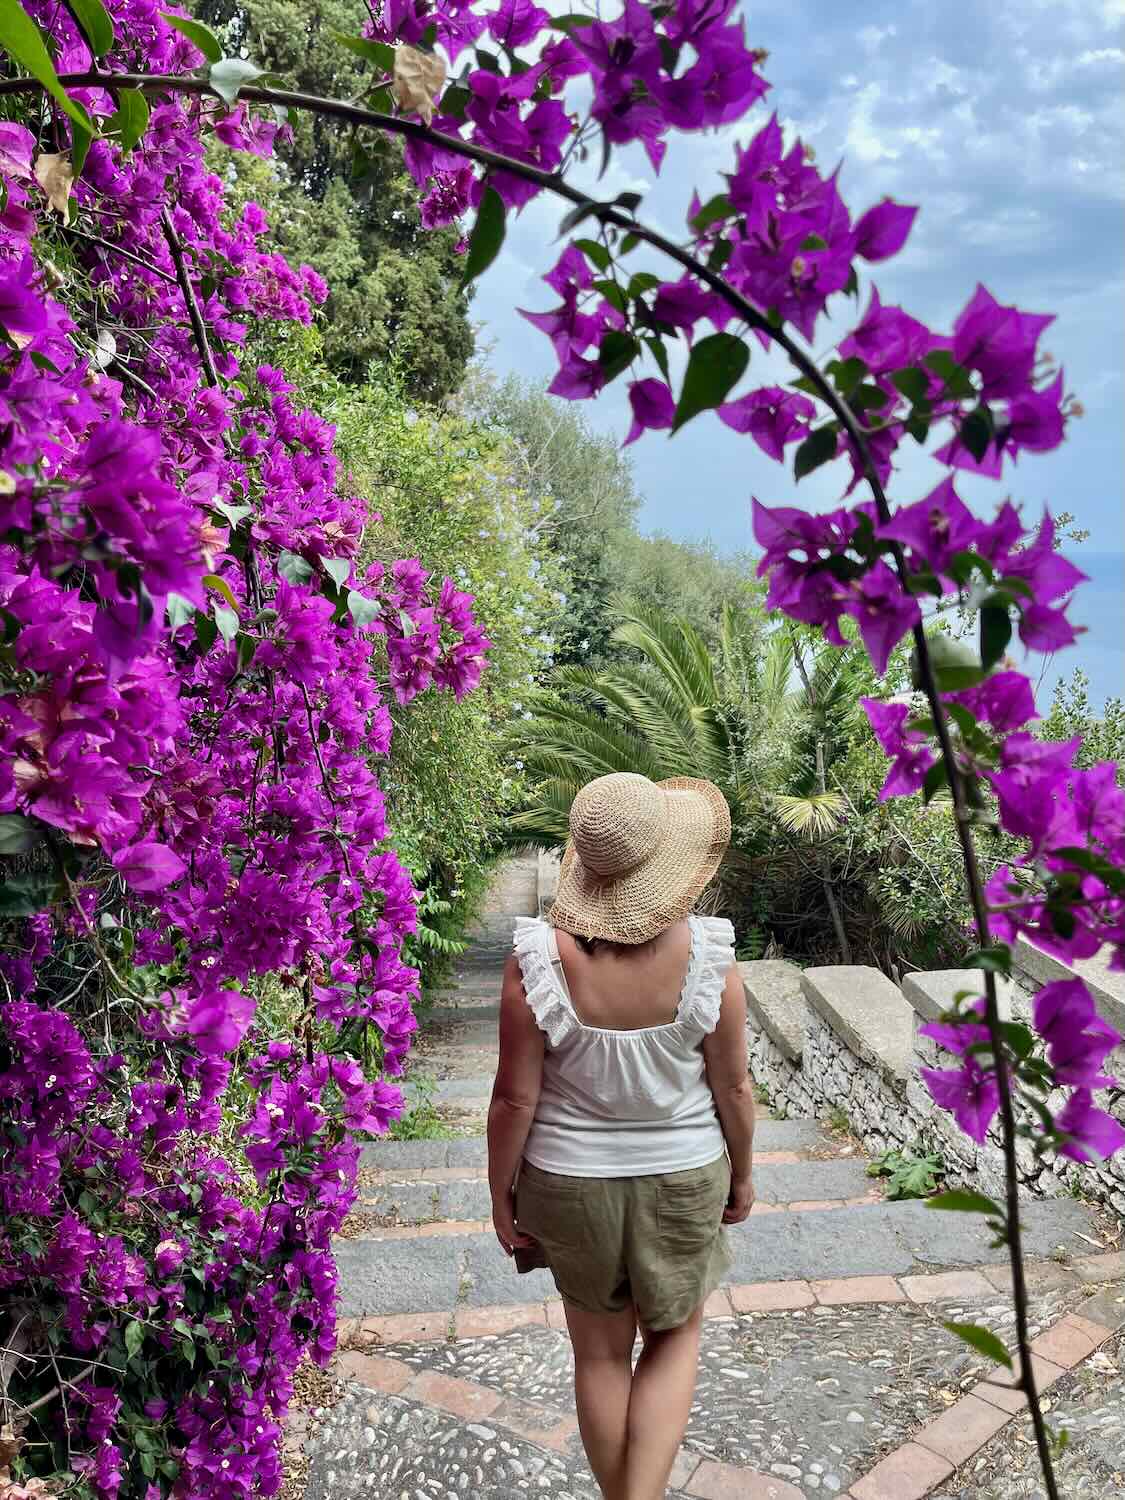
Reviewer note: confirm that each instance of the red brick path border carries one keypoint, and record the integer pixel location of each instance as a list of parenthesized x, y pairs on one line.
[(910, 1472)]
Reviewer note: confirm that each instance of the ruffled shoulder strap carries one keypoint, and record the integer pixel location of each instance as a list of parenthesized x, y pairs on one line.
[(549, 1004), (712, 954)]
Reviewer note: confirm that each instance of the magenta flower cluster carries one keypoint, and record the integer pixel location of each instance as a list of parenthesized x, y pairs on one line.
[(195, 694)]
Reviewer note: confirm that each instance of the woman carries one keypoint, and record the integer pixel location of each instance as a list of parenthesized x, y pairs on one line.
[(621, 1125)]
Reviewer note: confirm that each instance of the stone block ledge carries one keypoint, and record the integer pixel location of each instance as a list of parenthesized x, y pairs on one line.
[(1106, 985), (932, 994), (868, 1013), (775, 1004)]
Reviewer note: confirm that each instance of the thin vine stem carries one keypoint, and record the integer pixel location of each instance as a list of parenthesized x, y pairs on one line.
[(609, 213)]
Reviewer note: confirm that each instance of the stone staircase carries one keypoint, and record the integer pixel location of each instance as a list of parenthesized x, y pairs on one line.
[(826, 1369)]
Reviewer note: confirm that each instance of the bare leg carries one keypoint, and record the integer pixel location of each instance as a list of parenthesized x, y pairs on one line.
[(659, 1406), (603, 1372)]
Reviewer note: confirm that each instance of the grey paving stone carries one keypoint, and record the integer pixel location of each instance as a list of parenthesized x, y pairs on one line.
[(397, 1276), (492, 1279), (393, 1155), (789, 1135), (842, 1177), (406, 1202), (477, 1087), (468, 1153)]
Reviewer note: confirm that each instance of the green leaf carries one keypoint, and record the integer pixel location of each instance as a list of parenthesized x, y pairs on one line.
[(964, 1201), (716, 365), (846, 375), (487, 237), (613, 294), (235, 514), (720, 254), (596, 252), (19, 833), (814, 242), (206, 632), (130, 121), (568, 23), (364, 611), (995, 959), (293, 568), (338, 569), (219, 585), (936, 778), (229, 75), (977, 431), (817, 449), (27, 894), (642, 282), (406, 624), (576, 216), (134, 1338), (868, 398), (712, 212), (630, 202), (956, 377), (655, 347), (618, 351), (245, 647), (912, 383), (982, 1340), (96, 25), (179, 611), (226, 621), (23, 41), (995, 633), (382, 54), (201, 36)]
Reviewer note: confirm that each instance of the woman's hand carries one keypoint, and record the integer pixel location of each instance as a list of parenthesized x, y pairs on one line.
[(504, 1223), (741, 1199)]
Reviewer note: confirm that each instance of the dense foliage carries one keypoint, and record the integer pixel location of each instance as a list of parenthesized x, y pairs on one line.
[(588, 506), (763, 257), (349, 210)]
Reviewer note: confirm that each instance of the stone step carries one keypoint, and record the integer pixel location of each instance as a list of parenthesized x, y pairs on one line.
[(769, 1135), (436, 1274), (475, 1089), (417, 1202)]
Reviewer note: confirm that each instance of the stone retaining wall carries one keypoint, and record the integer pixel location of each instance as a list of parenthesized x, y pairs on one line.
[(844, 1043)]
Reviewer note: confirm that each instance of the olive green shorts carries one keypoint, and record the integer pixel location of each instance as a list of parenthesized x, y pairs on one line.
[(656, 1242)]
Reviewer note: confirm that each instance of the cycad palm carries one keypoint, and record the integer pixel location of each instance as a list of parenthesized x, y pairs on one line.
[(668, 711)]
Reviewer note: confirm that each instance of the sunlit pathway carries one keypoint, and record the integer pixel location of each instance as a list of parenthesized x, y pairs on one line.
[(825, 1372)]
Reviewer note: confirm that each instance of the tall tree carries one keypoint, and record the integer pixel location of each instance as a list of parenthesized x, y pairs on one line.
[(348, 208)]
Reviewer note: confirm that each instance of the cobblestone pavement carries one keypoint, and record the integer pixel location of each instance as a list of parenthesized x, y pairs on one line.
[(1089, 1405), (814, 1395), (825, 1368)]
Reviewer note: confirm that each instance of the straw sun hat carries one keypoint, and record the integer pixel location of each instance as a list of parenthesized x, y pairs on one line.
[(639, 855)]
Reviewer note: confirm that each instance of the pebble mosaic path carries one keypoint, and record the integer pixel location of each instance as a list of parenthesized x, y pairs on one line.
[(825, 1370)]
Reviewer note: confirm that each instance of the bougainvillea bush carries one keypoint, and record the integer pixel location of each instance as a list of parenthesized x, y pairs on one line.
[(183, 735), (196, 686)]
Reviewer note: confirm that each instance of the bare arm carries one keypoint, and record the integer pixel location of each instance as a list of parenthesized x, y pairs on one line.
[(724, 1053), (514, 1097)]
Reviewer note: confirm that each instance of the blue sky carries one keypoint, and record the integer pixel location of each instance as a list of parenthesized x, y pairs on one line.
[(1006, 124)]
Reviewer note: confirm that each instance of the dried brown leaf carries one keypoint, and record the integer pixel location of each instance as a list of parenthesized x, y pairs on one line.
[(418, 80), (55, 176)]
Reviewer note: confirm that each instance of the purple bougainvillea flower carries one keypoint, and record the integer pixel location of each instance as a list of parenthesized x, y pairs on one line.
[(889, 339), (884, 612), (935, 528), (882, 230), (970, 1094), (218, 1019), (1091, 1134), (514, 23), (577, 378), (1078, 1040), (653, 407), (999, 342), (910, 754), (772, 417), (21, 308), (148, 866), (1004, 701)]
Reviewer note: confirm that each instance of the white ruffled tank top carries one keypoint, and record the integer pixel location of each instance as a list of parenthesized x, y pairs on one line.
[(624, 1103)]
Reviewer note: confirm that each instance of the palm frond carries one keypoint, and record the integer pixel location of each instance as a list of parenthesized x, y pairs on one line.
[(675, 648), (812, 817)]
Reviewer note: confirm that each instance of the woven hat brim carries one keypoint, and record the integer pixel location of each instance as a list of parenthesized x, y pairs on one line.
[(637, 907)]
